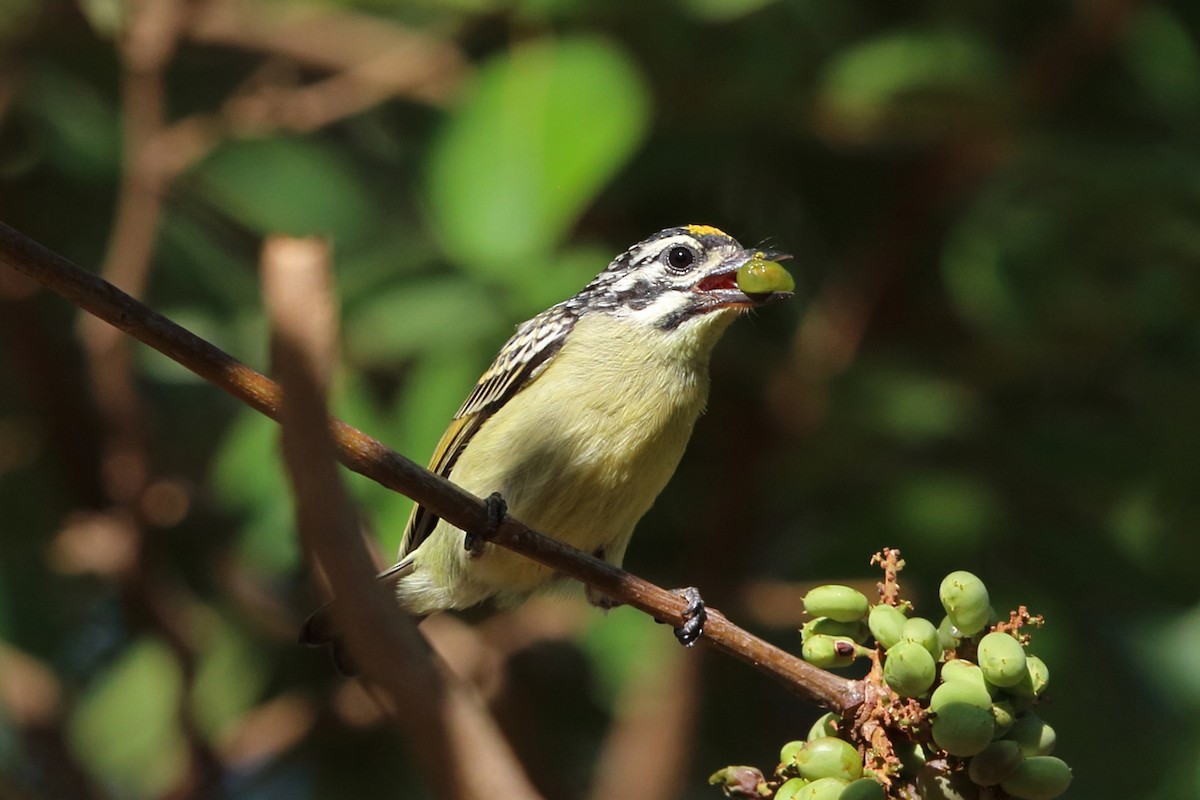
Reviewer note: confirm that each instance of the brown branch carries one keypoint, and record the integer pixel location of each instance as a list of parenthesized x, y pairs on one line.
[(461, 749), (383, 58), (145, 48), (369, 457)]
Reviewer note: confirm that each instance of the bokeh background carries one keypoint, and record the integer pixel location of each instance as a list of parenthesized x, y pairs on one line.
[(992, 363)]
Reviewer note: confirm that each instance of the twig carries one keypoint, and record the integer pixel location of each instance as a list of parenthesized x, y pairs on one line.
[(145, 49), (369, 457), (384, 58), (460, 747)]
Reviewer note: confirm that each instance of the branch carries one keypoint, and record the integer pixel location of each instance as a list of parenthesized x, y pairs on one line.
[(369, 457), (459, 744)]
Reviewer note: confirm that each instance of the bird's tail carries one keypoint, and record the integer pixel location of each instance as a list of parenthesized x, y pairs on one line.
[(319, 629)]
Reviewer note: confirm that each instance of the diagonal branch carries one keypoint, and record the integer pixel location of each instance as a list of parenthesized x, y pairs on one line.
[(369, 457)]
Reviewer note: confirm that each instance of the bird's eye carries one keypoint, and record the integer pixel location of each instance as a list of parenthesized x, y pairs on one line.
[(680, 258)]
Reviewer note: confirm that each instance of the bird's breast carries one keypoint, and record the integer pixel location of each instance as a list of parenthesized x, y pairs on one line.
[(586, 447)]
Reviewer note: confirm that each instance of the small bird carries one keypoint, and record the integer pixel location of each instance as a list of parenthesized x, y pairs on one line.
[(582, 419)]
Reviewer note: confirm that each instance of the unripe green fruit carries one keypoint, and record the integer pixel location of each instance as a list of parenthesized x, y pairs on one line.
[(994, 763), (787, 753), (826, 725), (959, 669), (965, 599), (1004, 716), (862, 789), (963, 730), (1032, 735), (964, 691), (921, 630), (912, 757), (1039, 674), (759, 276), (822, 789), (790, 789), (886, 624), (909, 669), (1002, 659), (935, 783), (1038, 778), (828, 651), (949, 637), (829, 757), (855, 630), (840, 603)]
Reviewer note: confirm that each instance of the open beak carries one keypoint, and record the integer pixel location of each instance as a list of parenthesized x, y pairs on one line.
[(748, 279)]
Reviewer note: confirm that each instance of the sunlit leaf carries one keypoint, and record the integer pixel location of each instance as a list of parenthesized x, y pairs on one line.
[(539, 132)]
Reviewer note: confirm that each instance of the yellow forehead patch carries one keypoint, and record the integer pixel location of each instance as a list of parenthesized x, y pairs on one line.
[(706, 230)]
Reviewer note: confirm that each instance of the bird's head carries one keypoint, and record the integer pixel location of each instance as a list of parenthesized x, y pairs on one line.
[(680, 274)]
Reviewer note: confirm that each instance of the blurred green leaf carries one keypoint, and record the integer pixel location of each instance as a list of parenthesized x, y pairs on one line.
[(1135, 526), (439, 315), (724, 10), (948, 510), (288, 185), (107, 17), (917, 82), (230, 678), (125, 728), (623, 644), (387, 511), (247, 476), (1164, 59), (542, 283), (913, 407), (976, 282), (540, 131), (78, 122), (1167, 651), (15, 16)]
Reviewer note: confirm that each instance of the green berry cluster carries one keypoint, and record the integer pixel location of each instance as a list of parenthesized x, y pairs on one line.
[(955, 702)]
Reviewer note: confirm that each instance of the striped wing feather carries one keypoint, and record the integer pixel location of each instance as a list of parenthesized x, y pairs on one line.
[(521, 359)]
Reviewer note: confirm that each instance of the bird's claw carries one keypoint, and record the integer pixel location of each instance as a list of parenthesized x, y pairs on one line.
[(694, 616), (497, 509)]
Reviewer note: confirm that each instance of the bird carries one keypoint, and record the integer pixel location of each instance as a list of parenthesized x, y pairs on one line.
[(581, 420)]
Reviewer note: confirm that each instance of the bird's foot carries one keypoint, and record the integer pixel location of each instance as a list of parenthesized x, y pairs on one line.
[(497, 509), (694, 616)]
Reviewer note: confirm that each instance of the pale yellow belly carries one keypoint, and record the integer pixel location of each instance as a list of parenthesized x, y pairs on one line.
[(580, 454)]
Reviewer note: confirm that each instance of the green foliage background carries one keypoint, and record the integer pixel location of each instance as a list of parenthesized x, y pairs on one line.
[(993, 364)]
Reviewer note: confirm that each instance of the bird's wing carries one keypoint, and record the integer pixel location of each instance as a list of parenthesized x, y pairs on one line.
[(521, 360)]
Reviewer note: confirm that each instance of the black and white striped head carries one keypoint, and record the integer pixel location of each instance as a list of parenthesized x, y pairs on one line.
[(673, 276)]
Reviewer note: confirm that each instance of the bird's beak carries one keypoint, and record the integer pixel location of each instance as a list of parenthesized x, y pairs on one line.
[(747, 279)]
